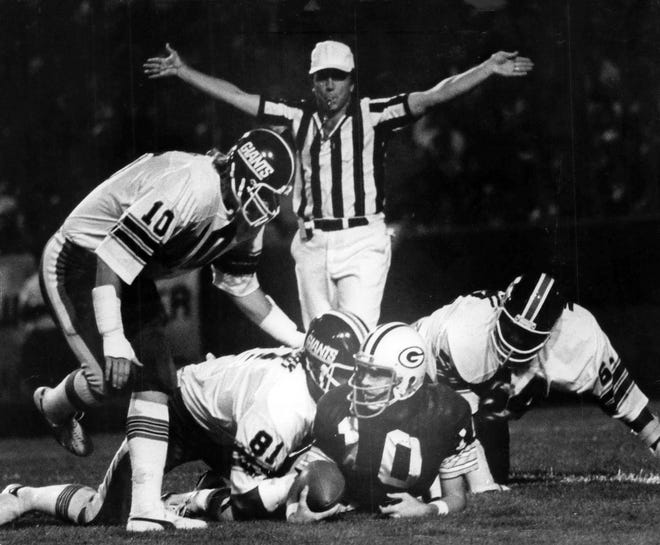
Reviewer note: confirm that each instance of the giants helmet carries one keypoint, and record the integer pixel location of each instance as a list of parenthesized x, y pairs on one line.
[(396, 351), (261, 167), (531, 306), (331, 341)]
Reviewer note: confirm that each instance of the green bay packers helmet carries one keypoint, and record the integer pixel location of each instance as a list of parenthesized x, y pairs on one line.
[(529, 310), (390, 366), (331, 342), (261, 167)]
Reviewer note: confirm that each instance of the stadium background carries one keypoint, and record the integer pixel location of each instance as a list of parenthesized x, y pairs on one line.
[(558, 169)]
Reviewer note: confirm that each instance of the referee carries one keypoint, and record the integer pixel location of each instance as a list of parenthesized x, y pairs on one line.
[(343, 250)]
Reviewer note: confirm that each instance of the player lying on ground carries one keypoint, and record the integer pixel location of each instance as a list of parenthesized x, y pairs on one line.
[(505, 350), (243, 415), (159, 216), (394, 435)]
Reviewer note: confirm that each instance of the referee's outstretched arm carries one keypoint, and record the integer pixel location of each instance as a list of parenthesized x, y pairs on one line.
[(172, 65), (503, 63)]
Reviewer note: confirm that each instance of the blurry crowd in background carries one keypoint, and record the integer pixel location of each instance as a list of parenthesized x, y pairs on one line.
[(579, 139)]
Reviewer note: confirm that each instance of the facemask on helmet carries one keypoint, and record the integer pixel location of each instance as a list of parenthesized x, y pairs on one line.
[(331, 341), (261, 167), (531, 306), (390, 366)]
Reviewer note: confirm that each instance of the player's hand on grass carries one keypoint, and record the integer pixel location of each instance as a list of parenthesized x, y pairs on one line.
[(405, 505), (493, 404), (161, 67), (508, 64), (303, 514)]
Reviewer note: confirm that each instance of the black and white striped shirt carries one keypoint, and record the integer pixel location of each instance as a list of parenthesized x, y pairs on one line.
[(341, 175)]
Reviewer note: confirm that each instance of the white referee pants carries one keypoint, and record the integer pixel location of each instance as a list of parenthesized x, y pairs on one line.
[(343, 270)]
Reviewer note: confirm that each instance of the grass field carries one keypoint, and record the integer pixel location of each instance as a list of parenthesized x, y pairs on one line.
[(578, 478)]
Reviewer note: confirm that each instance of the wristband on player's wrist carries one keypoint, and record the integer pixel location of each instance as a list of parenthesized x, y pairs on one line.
[(441, 506), (107, 311), (279, 326)]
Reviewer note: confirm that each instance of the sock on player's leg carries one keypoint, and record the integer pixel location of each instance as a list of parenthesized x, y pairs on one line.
[(147, 433), (66, 501)]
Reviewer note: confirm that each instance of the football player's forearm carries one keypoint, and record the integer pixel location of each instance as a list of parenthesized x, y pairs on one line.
[(263, 500), (453, 494), (647, 427), (263, 311), (106, 299), (249, 506), (105, 276)]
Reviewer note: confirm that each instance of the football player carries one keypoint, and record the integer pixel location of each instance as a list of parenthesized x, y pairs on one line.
[(394, 435), (159, 216), (246, 416), (505, 350)]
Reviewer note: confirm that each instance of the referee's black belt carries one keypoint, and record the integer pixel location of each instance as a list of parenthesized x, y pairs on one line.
[(337, 224)]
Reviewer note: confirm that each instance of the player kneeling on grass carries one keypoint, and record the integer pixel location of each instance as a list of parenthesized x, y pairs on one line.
[(243, 415), (393, 435), (505, 350), (577, 358)]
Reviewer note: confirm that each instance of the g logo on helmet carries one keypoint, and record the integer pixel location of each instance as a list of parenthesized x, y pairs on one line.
[(412, 357)]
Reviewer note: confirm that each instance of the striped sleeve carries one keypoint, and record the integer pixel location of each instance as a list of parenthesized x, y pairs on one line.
[(618, 394), (279, 112), (137, 235), (462, 461), (390, 113)]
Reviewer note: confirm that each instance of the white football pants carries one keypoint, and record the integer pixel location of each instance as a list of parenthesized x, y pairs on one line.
[(343, 270)]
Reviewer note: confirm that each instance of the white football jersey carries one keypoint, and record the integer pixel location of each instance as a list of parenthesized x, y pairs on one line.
[(577, 358), (458, 336), (258, 399), (162, 213)]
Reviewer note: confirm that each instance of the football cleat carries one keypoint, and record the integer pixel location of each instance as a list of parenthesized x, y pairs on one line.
[(10, 505), (71, 435), (162, 520), (177, 503)]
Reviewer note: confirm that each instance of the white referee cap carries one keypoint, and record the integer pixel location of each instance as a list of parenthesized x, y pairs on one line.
[(331, 54)]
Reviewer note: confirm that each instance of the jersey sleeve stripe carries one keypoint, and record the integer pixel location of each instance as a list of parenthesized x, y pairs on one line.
[(138, 230), (139, 252), (617, 390), (394, 123), (460, 463)]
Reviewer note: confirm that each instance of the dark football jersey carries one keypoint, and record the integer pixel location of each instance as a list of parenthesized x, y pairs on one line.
[(403, 449)]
